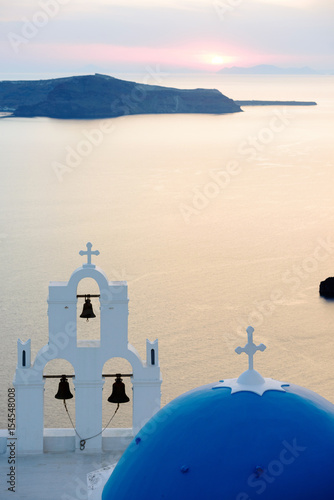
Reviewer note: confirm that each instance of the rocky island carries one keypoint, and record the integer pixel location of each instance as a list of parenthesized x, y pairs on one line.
[(326, 288), (101, 96)]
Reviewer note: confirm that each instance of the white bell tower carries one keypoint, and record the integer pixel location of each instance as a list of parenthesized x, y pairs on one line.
[(87, 358)]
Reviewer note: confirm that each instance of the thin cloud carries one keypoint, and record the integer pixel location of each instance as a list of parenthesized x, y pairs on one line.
[(254, 31)]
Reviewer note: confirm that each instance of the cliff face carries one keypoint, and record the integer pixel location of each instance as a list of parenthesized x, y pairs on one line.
[(99, 96)]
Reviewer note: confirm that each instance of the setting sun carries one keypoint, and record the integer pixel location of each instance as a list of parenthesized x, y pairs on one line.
[(213, 60), (217, 60)]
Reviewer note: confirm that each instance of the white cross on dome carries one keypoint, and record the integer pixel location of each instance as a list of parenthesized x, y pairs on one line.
[(250, 348), (251, 380)]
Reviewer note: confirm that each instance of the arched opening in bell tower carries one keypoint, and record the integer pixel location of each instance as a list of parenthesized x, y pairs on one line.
[(88, 305)]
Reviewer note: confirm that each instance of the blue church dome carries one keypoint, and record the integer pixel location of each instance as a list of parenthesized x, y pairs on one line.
[(240, 439)]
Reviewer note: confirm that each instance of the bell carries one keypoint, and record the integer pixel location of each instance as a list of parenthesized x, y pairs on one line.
[(118, 391), (87, 311), (64, 389)]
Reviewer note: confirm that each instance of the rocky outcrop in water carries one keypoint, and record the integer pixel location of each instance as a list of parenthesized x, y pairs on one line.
[(326, 288)]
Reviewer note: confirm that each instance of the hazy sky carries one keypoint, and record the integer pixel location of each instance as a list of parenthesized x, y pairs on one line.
[(128, 35)]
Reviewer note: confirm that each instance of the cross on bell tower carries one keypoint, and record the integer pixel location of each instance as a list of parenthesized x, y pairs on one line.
[(89, 252), (250, 348)]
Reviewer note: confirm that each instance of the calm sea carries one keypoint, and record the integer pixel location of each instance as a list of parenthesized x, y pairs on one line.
[(216, 222)]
